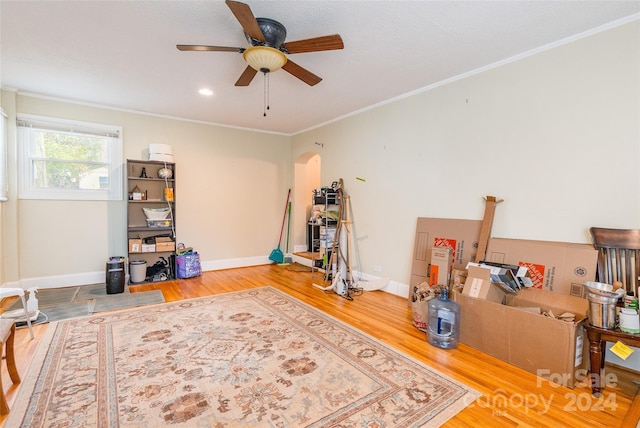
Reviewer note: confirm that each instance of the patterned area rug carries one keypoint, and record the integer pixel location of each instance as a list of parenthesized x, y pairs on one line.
[(251, 358)]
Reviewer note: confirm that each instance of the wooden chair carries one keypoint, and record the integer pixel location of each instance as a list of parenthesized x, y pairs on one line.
[(618, 256), (7, 334), (618, 260)]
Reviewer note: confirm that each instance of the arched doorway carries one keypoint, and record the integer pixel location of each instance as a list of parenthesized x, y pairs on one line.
[(306, 177)]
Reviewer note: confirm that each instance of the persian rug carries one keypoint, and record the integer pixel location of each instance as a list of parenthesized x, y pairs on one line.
[(250, 358)]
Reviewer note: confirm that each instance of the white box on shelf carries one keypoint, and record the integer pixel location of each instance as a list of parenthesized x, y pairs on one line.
[(148, 248), (161, 152)]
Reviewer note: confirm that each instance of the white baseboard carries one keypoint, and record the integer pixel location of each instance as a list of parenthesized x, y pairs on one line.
[(235, 263), (393, 287), (58, 281), (85, 278), (302, 260)]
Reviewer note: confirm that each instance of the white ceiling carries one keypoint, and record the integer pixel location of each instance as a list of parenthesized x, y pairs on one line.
[(122, 54)]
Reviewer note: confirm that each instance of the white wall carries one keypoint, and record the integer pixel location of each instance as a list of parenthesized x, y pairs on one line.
[(556, 135), (227, 182)]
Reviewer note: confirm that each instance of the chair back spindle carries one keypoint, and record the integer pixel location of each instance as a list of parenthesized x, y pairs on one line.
[(618, 256)]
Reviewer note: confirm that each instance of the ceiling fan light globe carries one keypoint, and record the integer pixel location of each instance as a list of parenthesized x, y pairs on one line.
[(264, 57)]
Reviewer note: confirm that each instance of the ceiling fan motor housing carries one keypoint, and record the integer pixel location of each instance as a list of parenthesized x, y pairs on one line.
[(268, 52), (274, 33)]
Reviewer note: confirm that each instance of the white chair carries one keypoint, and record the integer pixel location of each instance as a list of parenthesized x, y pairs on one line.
[(10, 292)]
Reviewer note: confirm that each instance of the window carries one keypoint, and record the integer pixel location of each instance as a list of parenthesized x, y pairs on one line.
[(61, 159)]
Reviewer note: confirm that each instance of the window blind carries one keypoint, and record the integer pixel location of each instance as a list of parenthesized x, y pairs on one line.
[(60, 125), (3, 156)]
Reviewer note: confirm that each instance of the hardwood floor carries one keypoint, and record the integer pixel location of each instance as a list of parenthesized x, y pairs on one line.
[(511, 396)]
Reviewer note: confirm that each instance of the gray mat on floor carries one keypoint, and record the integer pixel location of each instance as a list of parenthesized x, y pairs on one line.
[(57, 304), (62, 311), (52, 297), (127, 300), (92, 291)]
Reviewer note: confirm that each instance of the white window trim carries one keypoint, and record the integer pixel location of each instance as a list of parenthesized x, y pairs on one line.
[(4, 189), (25, 189)]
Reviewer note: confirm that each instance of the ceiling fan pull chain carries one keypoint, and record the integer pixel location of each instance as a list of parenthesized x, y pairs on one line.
[(266, 93)]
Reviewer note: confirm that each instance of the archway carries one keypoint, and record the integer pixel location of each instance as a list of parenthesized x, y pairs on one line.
[(306, 176)]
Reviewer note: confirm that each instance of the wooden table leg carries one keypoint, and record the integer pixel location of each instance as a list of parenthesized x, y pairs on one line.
[(7, 343), (596, 360), (11, 358)]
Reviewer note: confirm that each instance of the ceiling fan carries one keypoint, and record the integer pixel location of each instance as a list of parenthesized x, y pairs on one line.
[(268, 49)]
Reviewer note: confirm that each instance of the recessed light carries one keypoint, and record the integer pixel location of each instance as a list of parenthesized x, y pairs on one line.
[(207, 92)]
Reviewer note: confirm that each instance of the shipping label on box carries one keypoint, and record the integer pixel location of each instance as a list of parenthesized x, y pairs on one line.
[(553, 266)]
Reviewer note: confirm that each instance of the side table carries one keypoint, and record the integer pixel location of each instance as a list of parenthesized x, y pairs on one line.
[(597, 340)]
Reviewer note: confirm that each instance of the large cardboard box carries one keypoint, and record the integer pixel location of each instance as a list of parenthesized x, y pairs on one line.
[(459, 235), (554, 266), (550, 348)]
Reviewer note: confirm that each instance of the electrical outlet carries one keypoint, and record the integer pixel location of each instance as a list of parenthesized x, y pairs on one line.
[(377, 268)]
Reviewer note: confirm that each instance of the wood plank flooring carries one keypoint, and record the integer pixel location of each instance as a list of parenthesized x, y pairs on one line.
[(511, 396)]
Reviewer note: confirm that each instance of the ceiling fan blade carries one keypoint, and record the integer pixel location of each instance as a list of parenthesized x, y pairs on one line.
[(208, 48), (324, 43), (247, 76), (301, 73), (245, 17)]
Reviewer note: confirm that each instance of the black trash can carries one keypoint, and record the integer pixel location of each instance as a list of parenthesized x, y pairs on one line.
[(115, 275)]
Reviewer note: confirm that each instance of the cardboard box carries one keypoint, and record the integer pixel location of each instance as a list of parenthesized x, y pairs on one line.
[(440, 267), (459, 235), (165, 244), (511, 278), (135, 245), (550, 348), (554, 266), (478, 284)]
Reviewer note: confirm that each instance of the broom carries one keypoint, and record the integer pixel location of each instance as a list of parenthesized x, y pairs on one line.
[(276, 255), (287, 257)]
